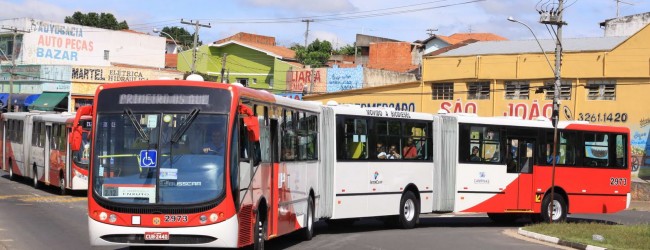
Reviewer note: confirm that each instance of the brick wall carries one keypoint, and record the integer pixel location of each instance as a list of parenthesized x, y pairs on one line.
[(394, 56)]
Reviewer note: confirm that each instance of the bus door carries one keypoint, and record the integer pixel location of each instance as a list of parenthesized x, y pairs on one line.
[(519, 161), (47, 164)]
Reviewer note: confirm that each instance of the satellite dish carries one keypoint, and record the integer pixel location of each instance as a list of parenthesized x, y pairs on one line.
[(194, 77)]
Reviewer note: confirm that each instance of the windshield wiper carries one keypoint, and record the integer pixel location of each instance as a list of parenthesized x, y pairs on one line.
[(136, 124), (185, 125)]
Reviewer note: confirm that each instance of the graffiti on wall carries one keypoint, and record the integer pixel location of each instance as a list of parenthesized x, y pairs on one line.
[(340, 79), (313, 78), (60, 42)]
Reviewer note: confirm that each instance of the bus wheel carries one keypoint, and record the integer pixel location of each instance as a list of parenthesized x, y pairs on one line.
[(259, 233), (62, 183), (308, 230), (559, 208), (35, 177), (409, 211), (11, 173), (503, 218)]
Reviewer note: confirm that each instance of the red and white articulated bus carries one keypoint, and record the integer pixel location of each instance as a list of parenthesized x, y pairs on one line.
[(37, 145), (185, 163)]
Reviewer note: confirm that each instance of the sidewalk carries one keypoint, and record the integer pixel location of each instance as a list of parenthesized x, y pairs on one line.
[(640, 206)]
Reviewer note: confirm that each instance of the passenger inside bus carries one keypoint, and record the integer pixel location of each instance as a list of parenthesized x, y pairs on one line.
[(409, 151), (381, 151), (474, 156), (393, 154)]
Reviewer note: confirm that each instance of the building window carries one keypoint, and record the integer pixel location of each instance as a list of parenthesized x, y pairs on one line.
[(478, 90), (243, 81), (442, 91), (517, 90), (106, 54), (601, 89), (565, 89), (254, 80), (271, 83)]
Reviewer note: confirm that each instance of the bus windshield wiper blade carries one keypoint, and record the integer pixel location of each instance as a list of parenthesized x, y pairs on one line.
[(185, 126), (136, 124)]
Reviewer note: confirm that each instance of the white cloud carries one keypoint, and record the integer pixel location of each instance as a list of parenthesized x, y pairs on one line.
[(333, 38), (327, 6), (33, 9)]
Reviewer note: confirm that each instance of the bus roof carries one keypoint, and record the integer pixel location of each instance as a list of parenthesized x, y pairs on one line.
[(347, 109), (539, 123)]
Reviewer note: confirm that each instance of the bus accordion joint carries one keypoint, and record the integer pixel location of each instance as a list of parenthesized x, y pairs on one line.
[(77, 130)]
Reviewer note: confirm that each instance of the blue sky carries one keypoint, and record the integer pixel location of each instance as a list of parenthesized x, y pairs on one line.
[(228, 17)]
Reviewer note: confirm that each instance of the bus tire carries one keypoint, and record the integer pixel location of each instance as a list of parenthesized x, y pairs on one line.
[(11, 172), (409, 211), (35, 179), (62, 184), (308, 231), (503, 218), (259, 232), (560, 209)]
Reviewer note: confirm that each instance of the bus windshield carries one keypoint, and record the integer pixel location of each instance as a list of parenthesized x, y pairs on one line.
[(159, 158), (81, 157)]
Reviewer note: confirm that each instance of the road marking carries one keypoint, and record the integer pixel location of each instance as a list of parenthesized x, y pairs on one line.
[(53, 199), (6, 240), (4, 197)]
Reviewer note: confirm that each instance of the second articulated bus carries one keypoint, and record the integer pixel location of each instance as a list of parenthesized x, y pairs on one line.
[(37, 145)]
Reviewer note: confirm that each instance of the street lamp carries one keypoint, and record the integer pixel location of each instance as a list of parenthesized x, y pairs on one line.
[(155, 30), (556, 93), (512, 19)]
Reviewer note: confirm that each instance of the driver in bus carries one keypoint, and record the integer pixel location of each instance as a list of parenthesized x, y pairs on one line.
[(216, 143)]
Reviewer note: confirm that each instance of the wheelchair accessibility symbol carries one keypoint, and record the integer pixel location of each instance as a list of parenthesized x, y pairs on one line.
[(148, 158)]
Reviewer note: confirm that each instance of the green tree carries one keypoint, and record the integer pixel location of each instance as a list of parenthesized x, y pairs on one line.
[(181, 35), (347, 50), (316, 54), (92, 19)]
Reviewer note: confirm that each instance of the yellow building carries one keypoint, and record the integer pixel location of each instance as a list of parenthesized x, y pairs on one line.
[(605, 80)]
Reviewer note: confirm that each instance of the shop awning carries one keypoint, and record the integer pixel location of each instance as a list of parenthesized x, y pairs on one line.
[(48, 101), (3, 99), (22, 100)]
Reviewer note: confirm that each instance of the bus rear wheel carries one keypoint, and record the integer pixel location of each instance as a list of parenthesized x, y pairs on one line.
[(559, 208), (11, 173), (409, 211), (62, 184), (35, 177), (308, 230), (259, 233)]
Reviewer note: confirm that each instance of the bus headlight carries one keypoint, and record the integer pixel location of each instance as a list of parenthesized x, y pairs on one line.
[(103, 216), (112, 218), (213, 217), (203, 219)]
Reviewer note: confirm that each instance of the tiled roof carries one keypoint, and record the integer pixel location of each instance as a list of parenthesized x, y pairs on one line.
[(460, 37), (531, 46), (275, 51)]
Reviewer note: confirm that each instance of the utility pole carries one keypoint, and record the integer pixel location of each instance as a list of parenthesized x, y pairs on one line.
[(12, 71), (554, 17), (307, 31), (196, 37), (311, 81), (223, 67)]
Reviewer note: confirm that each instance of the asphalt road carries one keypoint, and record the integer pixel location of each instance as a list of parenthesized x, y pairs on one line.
[(41, 219)]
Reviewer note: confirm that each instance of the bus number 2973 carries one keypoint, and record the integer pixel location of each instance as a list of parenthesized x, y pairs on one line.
[(175, 218), (617, 181)]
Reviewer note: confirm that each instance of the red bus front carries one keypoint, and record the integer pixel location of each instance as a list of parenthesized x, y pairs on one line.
[(159, 168)]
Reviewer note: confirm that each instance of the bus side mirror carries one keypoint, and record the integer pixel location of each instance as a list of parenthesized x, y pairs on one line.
[(77, 131), (75, 138), (251, 122)]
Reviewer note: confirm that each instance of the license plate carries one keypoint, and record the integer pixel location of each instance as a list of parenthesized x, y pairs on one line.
[(156, 236)]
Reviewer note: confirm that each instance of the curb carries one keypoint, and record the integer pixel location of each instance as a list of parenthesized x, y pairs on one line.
[(558, 241)]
